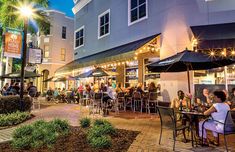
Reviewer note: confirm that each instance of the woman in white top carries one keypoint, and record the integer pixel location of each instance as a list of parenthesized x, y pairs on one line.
[(218, 111)]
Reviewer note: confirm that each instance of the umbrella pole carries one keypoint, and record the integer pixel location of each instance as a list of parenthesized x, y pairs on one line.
[(189, 90)]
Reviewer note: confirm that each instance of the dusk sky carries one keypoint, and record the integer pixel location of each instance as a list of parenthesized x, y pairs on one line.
[(63, 6)]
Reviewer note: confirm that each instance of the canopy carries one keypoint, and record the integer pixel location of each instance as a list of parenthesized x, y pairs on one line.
[(60, 79), (97, 72), (17, 75), (189, 60)]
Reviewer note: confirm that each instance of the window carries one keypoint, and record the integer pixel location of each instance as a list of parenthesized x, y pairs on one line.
[(104, 24), (137, 11), (62, 54), (79, 37), (46, 51), (63, 32)]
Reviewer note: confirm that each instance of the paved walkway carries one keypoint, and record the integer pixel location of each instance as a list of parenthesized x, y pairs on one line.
[(148, 125)]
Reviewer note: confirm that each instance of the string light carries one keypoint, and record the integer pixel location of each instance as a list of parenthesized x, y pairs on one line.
[(233, 52), (141, 51), (136, 53), (212, 53), (135, 58)]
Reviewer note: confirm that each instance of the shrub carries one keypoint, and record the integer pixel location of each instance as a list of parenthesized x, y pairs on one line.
[(13, 118), (39, 134), (10, 104), (101, 142), (85, 122), (99, 122)]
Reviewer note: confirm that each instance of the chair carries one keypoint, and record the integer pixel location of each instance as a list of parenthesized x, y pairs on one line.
[(121, 100), (96, 102), (169, 121), (128, 101), (36, 101), (137, 99), (152, 99), (229, 126)]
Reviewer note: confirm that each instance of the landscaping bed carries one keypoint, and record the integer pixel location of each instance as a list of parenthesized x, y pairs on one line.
[(76, 141)]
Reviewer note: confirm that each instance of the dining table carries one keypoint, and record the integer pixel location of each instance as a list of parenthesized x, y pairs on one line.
[(193, 117)]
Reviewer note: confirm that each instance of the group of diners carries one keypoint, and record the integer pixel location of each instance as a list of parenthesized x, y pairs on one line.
[(14, 89), (109, 91), (215, 105)]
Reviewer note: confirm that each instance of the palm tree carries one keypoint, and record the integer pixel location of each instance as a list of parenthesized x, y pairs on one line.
[(10, 18)]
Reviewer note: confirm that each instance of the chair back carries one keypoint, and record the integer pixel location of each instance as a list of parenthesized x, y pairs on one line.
[(229, 125), (167, 117), (120, 95), (153, 96), (98, 96), (136, 95)]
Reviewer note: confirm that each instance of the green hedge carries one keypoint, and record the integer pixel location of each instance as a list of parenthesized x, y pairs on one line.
[(13, 118), (10, 104), (85, 122), (39, 134)]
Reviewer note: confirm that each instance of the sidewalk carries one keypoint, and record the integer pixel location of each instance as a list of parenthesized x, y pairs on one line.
[(148, 125)]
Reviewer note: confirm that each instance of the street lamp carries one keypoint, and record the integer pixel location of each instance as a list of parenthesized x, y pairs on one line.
[(26, 12)]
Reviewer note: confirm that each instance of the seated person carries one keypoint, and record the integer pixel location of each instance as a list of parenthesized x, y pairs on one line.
[(218, 111), (139, 88), (56, 93), (205, 98), (152, 87), (231, 99), (119, 88), (32, 90), (176, 102), (49, 94)]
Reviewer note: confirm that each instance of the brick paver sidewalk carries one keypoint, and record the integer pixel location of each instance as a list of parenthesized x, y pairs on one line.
[(148, 125)]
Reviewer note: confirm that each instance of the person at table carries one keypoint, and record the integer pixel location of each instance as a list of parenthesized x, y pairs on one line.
[(4, 89), (218, 111), (49, 94), (205, 98), (108, 93), (139, 88), (88, 91), (152, 87), (231, 99), (120, 88), (176, 101)]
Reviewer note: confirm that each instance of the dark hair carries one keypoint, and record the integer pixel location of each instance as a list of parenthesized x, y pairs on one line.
[(180, 94), (221, 95)]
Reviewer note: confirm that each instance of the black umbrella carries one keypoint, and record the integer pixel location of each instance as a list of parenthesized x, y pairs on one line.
[(97, 72), (189, 60), (17, 75)]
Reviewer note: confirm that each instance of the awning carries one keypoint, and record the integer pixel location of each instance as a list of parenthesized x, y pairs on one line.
[(215, 36), (122, 52)]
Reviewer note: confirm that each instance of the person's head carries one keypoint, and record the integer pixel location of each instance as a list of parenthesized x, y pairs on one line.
[(180, 94), (7, 84), (152, 85), (205, 92), (139, 85), (16, 84), (219, 96)]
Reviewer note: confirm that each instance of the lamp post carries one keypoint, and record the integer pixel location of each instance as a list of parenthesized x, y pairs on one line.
[(26, 12)]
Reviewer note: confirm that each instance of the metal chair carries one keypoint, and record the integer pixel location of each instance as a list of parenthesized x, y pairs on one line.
[(121, 100), (152, 99), (169, 121), (36, 101), (96, 102), (229, 126), (137, 99), (128, 101)]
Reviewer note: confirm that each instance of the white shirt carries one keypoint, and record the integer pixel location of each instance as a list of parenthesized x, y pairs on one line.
[(220, 115)]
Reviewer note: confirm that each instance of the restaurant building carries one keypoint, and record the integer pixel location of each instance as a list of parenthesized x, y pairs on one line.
[(126, 35)]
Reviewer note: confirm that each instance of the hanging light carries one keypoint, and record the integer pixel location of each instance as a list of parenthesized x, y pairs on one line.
[(212, 53)]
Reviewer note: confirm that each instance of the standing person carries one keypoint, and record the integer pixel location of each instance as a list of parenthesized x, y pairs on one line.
[(32, 90), (218, 111)]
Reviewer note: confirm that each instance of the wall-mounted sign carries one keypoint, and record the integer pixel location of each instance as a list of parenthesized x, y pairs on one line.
[(13, 43), (35, 56)]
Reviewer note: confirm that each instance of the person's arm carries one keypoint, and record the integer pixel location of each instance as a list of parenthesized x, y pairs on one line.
[(210, 111)]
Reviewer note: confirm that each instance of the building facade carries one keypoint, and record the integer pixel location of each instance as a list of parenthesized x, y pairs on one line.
[(138, 32), (57, 48)]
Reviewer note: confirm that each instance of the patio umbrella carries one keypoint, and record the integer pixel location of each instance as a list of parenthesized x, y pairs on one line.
[(49, 79), (188, 60), (97, 72), (17, 75)]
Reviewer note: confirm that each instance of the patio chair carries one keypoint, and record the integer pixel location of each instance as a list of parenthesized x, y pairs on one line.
[(229, 126), (128, 101), (137, 100), (121, 100), (96, 103), (152, 99), (169, 121)]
